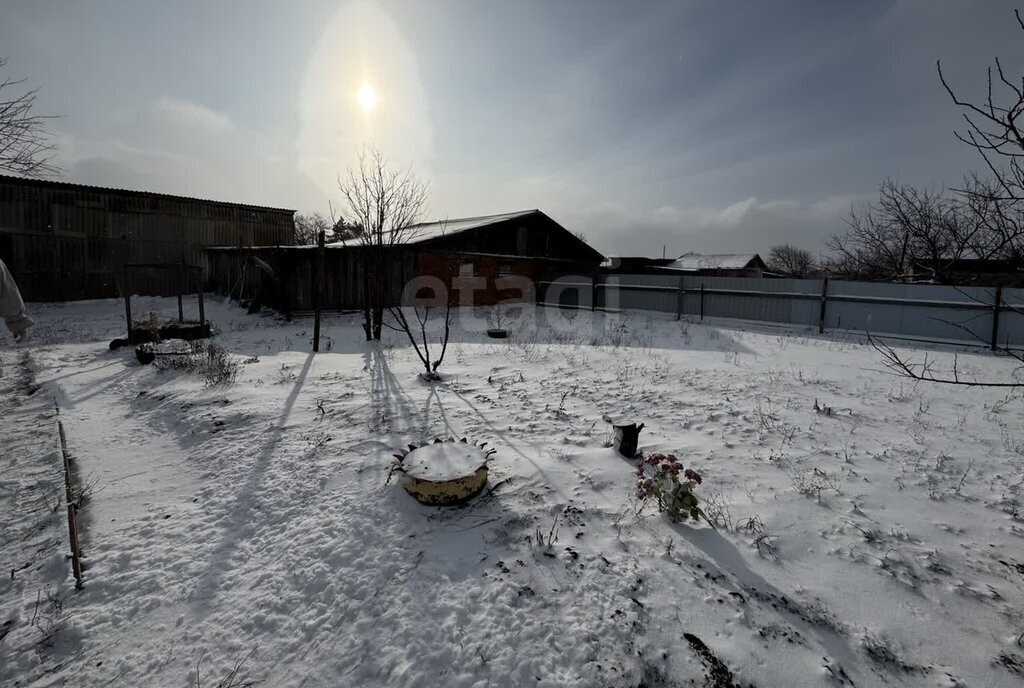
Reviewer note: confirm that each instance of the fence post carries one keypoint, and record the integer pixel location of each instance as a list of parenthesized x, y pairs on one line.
[(126, 287), (318, 286), (824, 302), (701, 300), (286, 279), (72, 505), (679, 300), (593, 292), (995, 315), (202, 304), (181, 310)]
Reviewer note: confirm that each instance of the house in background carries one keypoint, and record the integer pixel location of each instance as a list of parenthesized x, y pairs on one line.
[(634, 265), (718, 265), (526, 244), (70, 241), (968, 272)]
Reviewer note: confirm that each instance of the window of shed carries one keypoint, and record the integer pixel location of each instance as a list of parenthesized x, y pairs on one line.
[(467, 269), (507, 267)]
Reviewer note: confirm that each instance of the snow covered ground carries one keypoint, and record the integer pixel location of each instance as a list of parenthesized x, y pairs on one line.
[(879, 544)]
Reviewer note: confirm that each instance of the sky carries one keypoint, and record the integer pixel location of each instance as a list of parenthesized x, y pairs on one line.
[(650, 127)]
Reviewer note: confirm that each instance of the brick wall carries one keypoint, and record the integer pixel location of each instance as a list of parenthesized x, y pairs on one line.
[(494, 279)]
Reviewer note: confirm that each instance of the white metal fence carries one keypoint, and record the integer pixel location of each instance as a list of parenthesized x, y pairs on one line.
[(989, 316)]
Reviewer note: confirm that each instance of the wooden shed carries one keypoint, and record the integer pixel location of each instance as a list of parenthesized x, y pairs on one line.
[(69, 241), (477, 250)]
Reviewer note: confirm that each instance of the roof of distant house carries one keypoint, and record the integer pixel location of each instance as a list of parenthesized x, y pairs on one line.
[(424, 231), (716, 261), (646, 259)]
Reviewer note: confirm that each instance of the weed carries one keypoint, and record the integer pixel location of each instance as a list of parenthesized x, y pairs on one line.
[(286, 375), (548, 541), (232, 680), (718, 510), (1010, 442), (560, 411), (813, 482), (206, 359)]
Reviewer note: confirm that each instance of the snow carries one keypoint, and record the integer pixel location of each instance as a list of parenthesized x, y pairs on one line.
[(443, 461), (425, 231), (879, 544), (699, 261)]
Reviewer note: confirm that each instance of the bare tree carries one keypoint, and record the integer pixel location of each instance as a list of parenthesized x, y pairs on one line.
[(993, 127), (790, 260), (419, 335), (423, 307), (308, 227), (386, 203), (991, 210), (908, 231), (1000, 219), (25, 146)]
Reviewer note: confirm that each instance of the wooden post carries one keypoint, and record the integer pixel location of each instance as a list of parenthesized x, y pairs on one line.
[(679, 300), (180, 280), (824, 303), (593, 291), (286, 283), (701, 300), (126, 288), (318, 290), (69, 500), (995, 315), (202, 303)]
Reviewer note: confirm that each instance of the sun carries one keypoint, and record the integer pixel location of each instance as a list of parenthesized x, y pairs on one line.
[(367, 97)]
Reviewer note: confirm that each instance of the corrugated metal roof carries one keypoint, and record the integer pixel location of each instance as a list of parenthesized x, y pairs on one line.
[(31, 181), (426, 231), (712, 261)]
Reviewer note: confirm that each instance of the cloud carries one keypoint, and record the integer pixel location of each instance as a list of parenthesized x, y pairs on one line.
[(667, 215), (750, 225), (238, 166), (186, 113)]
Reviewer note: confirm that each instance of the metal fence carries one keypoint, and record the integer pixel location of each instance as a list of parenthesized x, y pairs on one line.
[(990, 316)]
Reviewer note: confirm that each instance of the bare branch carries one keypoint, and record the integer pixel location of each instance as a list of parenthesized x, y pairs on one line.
[(25, 146), (924, 371)]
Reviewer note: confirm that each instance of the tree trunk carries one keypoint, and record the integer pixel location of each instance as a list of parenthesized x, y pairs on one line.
[(378, 322), (367, 328)]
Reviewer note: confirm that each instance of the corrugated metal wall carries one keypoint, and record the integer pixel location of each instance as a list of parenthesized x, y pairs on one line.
[(653, 293), (912, 311), (916, 311), (1011, 320)]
